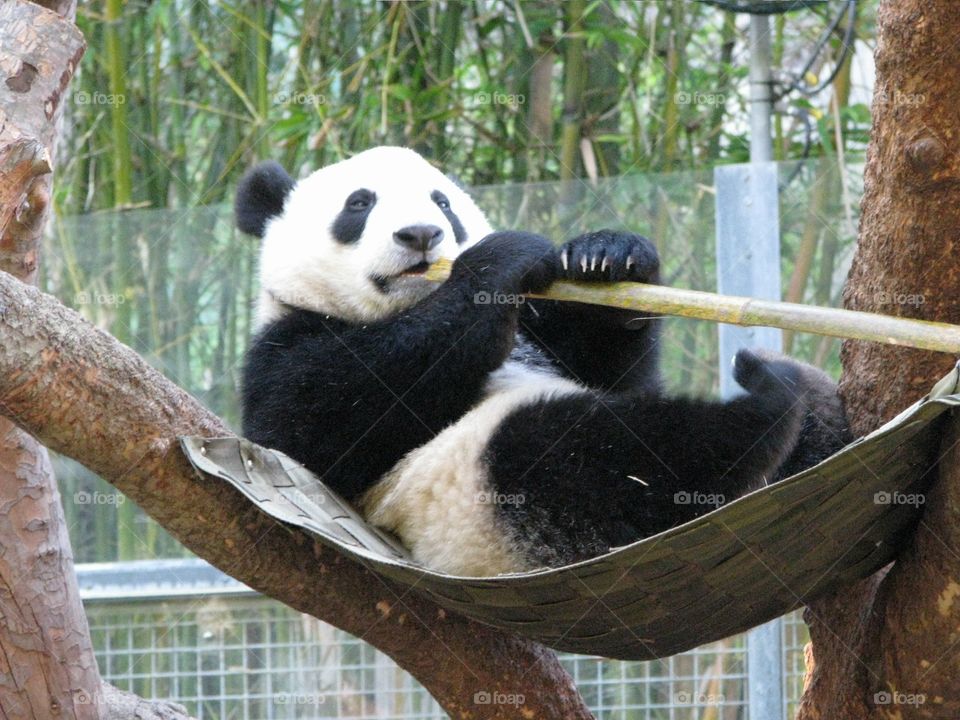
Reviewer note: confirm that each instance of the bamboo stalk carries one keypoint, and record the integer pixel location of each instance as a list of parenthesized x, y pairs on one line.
[(851, 324), (117, 70), (574, 85)]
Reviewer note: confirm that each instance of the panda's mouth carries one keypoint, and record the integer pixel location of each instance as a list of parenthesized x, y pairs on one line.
[(418, 269), (383, 282)]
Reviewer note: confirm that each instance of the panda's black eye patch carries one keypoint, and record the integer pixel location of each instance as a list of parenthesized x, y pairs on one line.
[(440, 199), (360, 200), (459, 233), (348, 226)]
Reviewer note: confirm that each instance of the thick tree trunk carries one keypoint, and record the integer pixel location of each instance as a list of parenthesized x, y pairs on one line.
[(48, 668), (47, 665), (87, 396), (886, 648)]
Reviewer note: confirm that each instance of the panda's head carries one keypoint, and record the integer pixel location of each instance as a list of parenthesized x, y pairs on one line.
[(349, 240)]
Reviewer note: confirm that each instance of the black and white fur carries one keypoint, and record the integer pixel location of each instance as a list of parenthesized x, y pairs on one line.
[(491, 437)]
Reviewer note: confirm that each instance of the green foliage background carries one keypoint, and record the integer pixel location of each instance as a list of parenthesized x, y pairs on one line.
[(176, 98)]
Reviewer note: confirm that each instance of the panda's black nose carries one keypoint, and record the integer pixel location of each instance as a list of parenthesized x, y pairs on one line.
[(419, 237)]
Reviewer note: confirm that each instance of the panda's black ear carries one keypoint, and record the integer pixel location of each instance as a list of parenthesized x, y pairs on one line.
[(260, 196)]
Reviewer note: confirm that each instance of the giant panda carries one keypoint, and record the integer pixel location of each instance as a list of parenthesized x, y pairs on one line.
[(491, 433)]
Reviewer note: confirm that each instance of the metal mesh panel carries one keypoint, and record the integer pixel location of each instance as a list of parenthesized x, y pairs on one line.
[(250, 658)]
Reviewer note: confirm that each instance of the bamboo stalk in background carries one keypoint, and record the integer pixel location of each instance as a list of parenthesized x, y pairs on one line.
[(699, 305), (574, 85), (117, 70)]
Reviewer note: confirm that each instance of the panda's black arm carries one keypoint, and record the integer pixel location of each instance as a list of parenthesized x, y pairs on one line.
[(348, 401), (604, 348)]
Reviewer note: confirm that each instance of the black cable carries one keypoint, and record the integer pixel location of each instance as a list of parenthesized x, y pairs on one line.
[(764, 7), (850, 10), (845, 50)]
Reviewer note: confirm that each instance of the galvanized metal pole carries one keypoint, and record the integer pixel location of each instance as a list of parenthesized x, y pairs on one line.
[(761, 90), (748, 254), (748, 263)]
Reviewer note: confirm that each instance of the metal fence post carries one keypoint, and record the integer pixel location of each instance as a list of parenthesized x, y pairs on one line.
[(748, 264)]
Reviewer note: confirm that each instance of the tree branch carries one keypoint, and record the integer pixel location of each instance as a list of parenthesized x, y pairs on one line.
[(84, 394), (22, 163), (39, 52), (122, 705)]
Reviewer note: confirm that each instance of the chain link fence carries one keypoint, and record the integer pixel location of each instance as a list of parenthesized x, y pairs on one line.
[(182, 630)]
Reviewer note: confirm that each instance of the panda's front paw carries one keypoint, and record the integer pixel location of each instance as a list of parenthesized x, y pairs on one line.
[(610, 256)]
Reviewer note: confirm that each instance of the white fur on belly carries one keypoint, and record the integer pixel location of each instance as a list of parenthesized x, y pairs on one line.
[(437, 498)]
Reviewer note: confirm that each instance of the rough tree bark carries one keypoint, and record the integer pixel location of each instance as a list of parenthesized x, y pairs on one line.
[(47, 665), (48, 668), (888, 647)]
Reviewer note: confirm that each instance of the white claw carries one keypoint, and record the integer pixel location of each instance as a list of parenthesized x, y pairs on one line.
[(630, 262), (593, 263), (583, 263), (563, 259), (605, 263)]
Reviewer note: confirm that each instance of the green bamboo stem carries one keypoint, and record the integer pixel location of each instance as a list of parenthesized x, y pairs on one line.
[(117, 69), (809, 239), (660, 300), (574, 85)]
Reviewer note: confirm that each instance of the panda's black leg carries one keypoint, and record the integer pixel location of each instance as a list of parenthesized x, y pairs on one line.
[(605, 348), (592, 472), (825, 428)]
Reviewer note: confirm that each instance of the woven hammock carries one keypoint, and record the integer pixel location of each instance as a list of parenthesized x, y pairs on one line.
[(743, 564)]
